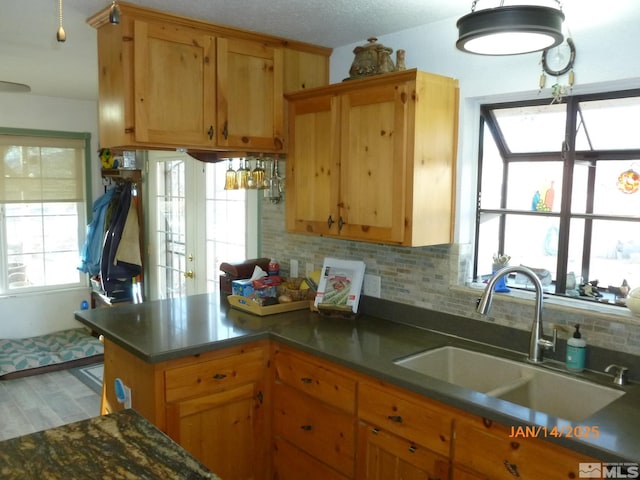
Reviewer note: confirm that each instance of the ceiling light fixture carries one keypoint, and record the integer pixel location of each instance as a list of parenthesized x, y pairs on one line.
[(510, 30), (114, 13), (61, 36)]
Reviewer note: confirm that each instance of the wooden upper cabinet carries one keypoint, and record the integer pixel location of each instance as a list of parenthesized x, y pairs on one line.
[(374, 159), (167, 82), (174, 85), (250, 106)]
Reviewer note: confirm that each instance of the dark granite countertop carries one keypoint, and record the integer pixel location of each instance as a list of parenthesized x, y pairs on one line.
[(168, 329), (121, 445)]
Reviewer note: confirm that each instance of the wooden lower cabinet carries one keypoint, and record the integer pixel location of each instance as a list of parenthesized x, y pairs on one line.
[(215, 405), (483, 450), (384, 456), (263, 411)]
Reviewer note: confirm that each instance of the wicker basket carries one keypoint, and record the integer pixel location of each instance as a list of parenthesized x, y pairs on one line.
[(291, 287)]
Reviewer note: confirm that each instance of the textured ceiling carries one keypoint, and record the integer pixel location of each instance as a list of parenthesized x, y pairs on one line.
[(30, 54)]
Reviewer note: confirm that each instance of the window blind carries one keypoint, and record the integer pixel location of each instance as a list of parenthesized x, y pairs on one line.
[(36, 169)]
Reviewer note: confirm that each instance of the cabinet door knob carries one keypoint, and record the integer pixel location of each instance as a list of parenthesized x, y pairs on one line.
[(340, 223), (413, 449), (210, 132), (219, 376), (306, 428), (189, 274), (395, 418), (306, 380), (225, 130)]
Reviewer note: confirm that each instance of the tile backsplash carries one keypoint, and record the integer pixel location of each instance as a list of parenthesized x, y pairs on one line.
[(434, 278)]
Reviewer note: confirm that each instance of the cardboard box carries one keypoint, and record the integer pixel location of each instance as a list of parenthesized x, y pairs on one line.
[(245, 288)]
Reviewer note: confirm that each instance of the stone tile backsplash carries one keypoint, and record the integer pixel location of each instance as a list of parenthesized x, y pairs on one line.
[(434, 278)]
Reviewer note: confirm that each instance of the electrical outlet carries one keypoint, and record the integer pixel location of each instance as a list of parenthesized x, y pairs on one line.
[(371, 285), (309, 268), (293, 268)]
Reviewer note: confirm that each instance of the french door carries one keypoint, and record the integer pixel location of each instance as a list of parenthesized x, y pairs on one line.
[(194, 224)]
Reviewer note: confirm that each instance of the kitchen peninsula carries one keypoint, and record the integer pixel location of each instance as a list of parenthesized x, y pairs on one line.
[(197, 357)]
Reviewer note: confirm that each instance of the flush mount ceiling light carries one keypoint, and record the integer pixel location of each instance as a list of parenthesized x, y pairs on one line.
[(510, 30)]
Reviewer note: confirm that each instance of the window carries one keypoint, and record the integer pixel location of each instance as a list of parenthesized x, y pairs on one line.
[(42, 209), (558, 192)]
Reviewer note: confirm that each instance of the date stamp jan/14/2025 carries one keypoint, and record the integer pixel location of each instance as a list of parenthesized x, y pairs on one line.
[(566, 431)]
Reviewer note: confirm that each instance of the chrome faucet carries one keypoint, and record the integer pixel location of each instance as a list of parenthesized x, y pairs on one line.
[(537, 342)]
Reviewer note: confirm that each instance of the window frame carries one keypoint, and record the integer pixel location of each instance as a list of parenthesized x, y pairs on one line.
[(566, 153), (83, 212)]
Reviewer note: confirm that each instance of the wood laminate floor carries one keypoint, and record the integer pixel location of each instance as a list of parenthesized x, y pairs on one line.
[(35, 403)]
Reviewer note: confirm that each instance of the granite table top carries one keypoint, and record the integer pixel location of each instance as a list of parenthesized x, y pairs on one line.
[(122, 445), (168, 329)]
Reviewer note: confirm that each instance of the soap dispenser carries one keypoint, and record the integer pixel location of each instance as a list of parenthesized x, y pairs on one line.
[(576, 351)]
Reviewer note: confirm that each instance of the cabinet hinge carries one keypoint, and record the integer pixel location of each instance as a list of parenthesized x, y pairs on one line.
[(259, 396)]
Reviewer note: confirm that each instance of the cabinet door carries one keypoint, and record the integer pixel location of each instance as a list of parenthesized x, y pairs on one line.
[(312, 180), (486, 448), (383, 456), (249, 97), (373, 165), (174, 85), (222, 430), (326, 434)]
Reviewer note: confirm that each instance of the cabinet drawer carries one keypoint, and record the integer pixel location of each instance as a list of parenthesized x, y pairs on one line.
[(213, 375), (417, 421), (320, 430), (290, 462), (486, 448), (317, 380)]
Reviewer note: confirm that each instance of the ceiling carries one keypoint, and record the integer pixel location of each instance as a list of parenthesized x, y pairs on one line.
[(30, 53)]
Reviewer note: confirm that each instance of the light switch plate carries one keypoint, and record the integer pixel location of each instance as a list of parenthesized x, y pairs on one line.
[(309, 268), (293, 268)]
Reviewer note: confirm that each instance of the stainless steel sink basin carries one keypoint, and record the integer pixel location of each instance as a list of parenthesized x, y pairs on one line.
[(527, 385)]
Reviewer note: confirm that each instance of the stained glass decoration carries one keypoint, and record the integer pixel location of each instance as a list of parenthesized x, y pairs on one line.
[(629, 181)]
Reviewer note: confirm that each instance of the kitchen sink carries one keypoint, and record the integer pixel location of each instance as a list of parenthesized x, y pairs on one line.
[(527, 385), (560, 395), (466, 368)]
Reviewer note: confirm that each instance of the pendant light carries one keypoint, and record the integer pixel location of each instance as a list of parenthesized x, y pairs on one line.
[(510, 30), (61, 36), (114, 13)]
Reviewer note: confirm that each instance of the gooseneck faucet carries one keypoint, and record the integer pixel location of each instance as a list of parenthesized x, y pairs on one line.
[(537, 342)]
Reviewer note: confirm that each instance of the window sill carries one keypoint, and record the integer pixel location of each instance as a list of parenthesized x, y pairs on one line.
[(603, 310)]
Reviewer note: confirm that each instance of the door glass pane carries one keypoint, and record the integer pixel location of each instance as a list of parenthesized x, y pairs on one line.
[(170, 235), (226, 223), (538, 128)]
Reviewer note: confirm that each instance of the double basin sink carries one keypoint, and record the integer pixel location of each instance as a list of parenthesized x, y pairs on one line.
[(534, 387)]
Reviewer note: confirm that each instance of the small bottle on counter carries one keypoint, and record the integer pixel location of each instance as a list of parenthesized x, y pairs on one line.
[(274, 268), (576, 351)]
